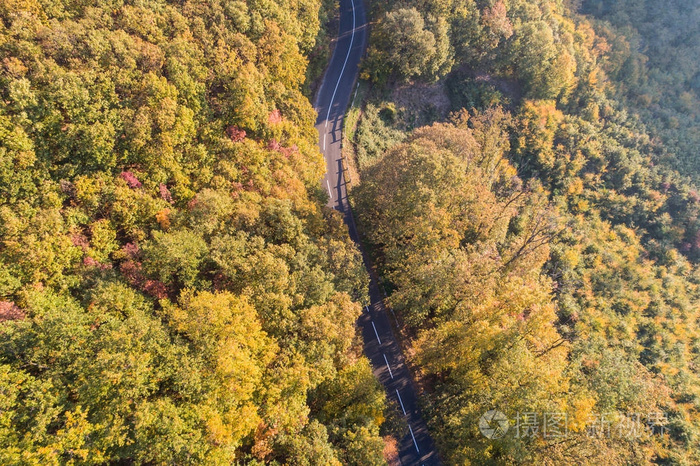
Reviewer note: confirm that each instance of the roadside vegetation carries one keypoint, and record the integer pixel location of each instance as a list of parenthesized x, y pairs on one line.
[(319, 56)]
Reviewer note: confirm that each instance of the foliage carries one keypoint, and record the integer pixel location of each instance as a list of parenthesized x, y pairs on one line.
[(652, 59), (375, 133), (405, 47), (584, 193), (171, 290)]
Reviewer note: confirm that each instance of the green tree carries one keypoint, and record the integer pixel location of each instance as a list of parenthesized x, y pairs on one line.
[(404, 47)]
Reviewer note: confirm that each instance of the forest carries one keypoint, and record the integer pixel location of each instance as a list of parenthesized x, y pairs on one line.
[(525, 184), (653, 61), (171, 289)]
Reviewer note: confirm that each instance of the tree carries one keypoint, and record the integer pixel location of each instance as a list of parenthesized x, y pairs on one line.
[(545, 67), (404, 47), (175, 258)]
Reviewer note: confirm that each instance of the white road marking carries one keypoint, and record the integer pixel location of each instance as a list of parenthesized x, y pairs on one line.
[(401, 401), (367, 309), (375, 332), (387, 366), (330, 105), (414, 438), (352, 39)]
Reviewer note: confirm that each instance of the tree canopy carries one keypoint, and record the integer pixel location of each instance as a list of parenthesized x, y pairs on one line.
[(171, 289), (537, 242)]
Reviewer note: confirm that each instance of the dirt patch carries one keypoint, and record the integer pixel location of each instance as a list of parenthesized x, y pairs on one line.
[(509, 87), (421, 104)]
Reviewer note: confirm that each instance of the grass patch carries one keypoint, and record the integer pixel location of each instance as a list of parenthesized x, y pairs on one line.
[(376, 133), (350, 122)]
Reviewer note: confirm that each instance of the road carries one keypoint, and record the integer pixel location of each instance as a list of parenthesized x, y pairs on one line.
[(380, 346)]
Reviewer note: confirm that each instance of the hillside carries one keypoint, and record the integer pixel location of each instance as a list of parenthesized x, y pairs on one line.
[(171, 289), (174, 289), (656, 73), (541, 248)]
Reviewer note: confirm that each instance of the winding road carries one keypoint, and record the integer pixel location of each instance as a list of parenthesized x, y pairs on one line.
[(380, 346)]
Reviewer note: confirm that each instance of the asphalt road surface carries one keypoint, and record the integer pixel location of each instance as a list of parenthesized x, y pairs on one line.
[(335, 93)]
